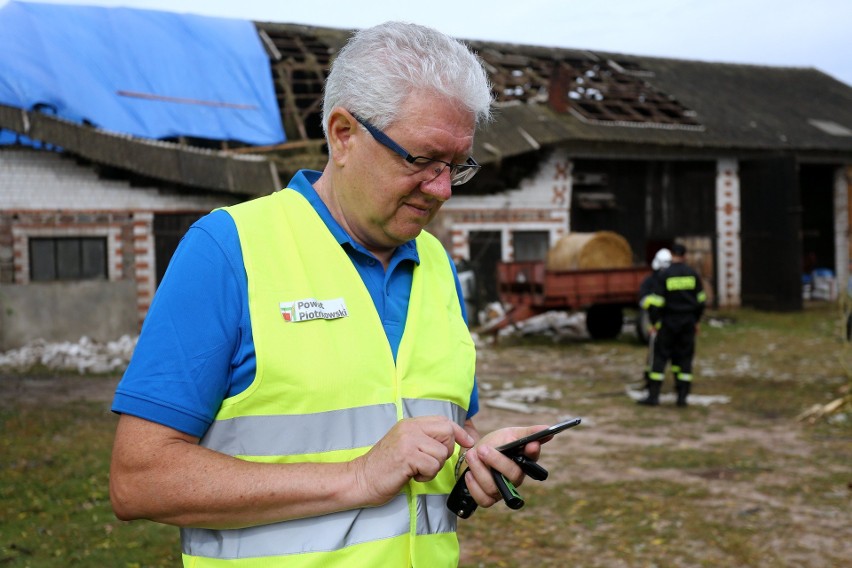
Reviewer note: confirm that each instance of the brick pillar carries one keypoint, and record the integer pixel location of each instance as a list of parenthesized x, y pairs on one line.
[(728, 238), (143, 265), (461, 245), (563, 187)]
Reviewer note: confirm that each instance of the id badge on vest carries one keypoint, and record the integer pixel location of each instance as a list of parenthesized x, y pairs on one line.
[(310, 309)]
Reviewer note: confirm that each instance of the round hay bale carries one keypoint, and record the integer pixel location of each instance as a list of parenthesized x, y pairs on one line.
[(581, 251)]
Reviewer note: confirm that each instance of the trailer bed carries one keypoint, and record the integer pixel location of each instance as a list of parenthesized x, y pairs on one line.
[(528, 289)]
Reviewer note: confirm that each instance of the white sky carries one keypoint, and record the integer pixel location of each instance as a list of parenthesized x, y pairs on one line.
[(812, 33)]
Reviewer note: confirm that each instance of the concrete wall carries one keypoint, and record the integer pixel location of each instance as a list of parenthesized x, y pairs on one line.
[(66, 311)]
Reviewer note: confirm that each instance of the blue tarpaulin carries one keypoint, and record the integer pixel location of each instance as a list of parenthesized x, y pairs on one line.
[(141, 72)]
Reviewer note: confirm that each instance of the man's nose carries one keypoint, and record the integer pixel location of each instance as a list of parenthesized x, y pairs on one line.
[(440, 187)]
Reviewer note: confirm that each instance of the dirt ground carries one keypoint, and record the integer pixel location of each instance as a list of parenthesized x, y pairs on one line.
[(50, 390), (764, 486), (770, 495)]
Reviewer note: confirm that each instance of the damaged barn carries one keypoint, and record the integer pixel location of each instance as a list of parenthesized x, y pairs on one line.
[(747, 165)]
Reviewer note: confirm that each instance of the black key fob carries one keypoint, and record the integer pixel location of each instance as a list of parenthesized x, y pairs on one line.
[(460, 500)]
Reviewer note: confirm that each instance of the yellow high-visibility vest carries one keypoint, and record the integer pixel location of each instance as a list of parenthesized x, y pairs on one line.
[(327, 389)]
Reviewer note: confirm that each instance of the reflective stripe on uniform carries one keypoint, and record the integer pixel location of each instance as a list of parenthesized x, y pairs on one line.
[(340, 530), (433, 517), (674, 283), (299, 536), (287, 435), (412, 407)]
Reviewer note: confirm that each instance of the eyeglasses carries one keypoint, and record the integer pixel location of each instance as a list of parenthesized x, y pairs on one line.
[(459, 173)]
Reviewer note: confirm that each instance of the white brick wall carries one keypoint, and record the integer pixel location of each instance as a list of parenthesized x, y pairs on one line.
[(46, 194), (541, 203), (37, 179)]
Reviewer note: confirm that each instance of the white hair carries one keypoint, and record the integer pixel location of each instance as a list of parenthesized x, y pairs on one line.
[(381, 66)]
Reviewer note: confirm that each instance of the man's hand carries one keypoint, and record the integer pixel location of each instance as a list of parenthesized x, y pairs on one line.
[(483, 457), (415, 448)]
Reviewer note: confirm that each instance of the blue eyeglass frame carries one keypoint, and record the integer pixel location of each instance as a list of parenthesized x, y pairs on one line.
[(459, 173)]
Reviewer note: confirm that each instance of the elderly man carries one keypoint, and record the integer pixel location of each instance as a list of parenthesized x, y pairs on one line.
[(304, 381)]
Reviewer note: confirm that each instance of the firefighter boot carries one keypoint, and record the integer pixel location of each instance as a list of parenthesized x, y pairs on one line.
[(653, 398), (682, 388)]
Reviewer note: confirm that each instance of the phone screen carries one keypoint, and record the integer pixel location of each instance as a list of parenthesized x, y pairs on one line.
[(513, 447)]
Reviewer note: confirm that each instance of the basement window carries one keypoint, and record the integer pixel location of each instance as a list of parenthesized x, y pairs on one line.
[(67, 258)]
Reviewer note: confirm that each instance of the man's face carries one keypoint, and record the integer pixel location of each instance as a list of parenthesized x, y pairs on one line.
[(386, 201)]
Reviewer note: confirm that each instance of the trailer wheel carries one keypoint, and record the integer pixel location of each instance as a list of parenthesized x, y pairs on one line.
[(604, 321)]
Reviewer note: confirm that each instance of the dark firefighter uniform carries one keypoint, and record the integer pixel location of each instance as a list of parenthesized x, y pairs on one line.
[(646, 289), (675, 306)]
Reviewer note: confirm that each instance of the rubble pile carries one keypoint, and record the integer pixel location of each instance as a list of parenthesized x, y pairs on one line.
[(86, 356), (554, 323), (669, 398)]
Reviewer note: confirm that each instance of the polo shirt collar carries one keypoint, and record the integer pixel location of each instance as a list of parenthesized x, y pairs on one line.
[(303, 182)]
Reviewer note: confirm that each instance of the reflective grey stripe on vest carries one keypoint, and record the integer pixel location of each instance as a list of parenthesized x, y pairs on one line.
[(312, 433), (316, 534), (433, 517), (326, 533), (425, 407), (289, 435), (321, 432)]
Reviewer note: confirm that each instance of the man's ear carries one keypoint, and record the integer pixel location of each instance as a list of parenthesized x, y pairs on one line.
[(342, 128)]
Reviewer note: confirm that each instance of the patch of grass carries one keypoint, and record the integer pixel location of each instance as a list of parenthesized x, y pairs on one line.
[(54, 499)]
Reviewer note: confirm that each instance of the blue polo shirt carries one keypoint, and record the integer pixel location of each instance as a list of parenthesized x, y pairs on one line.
[(196, 347)]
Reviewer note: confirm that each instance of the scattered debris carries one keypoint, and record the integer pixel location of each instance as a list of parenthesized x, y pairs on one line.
[(551, 323), (491, 314), (831, 411), (518, 399), (503, 404), (694, 399), (85, 356), (719, 322)]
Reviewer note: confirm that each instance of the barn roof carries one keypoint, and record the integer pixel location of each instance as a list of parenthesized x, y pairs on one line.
[(594, 103), (606, 104)]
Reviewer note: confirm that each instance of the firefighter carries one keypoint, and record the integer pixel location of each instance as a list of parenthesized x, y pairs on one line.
[(661, 261), (675, 307)]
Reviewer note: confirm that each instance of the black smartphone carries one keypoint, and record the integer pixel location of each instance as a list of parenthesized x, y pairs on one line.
[(515, 447), (462, 503)]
